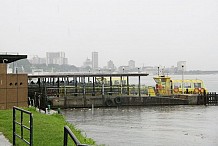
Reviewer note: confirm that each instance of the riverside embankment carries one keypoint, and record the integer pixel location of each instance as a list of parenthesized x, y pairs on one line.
[(47, 129)]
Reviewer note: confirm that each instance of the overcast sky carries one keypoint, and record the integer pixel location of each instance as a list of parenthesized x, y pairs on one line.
[(151, 32)]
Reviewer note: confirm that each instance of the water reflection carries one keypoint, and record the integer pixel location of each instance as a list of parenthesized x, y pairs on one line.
[(160, 125)]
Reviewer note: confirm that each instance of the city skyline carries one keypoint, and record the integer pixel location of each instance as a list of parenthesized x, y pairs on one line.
[(55, 57), (149, 32)]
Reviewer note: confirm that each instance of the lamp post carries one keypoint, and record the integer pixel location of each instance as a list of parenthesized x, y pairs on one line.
[(5, 60), (88, 77), (182, 79)]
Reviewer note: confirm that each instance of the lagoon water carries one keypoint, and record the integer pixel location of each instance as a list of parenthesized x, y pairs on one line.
[(154, 125)]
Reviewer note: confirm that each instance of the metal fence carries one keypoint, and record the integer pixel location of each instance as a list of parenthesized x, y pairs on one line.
[(23, 126), (67, 132), (210, 98)]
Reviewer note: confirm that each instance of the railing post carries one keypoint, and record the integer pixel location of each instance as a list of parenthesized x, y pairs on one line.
[(14, 129), (65, 136), (206, 98), (73, 137), (21, 124), (216, 98), (31, 129)]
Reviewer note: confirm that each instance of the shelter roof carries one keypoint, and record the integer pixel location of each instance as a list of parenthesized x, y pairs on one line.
[(87, 75), (11, 58)]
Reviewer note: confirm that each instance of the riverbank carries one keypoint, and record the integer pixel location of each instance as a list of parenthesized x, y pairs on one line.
[(47, 129)]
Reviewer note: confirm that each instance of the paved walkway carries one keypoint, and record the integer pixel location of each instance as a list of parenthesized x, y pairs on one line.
[(4, 141)]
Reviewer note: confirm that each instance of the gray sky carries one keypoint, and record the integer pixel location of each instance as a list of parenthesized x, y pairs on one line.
[(151, 32)]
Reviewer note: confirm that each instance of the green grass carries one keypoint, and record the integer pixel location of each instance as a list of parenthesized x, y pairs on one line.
[(48, 130)]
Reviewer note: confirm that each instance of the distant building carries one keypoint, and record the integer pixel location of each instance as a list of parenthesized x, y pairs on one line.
[(56, 58), (131, 64), (37, 60), (123, 69), (149, 69), (94, 60), (181, 65), (87, 63), (110, 65)]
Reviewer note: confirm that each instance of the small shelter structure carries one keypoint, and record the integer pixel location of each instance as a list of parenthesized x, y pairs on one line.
[(14, 86)]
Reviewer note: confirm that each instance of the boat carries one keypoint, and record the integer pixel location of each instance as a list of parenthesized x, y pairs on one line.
[(167, 86)]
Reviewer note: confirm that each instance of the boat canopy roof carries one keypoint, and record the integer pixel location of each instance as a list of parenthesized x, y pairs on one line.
[(188, 80)]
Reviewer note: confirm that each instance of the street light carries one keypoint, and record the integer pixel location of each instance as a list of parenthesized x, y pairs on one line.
[(5, 60), (182, 79)]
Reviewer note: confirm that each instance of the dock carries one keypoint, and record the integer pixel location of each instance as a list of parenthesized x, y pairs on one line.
[(95, 89)]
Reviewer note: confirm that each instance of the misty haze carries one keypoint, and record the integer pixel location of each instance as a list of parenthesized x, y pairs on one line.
[(152, 33)]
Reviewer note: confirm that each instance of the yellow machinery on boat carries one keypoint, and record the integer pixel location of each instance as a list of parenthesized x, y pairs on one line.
[(166, 86)]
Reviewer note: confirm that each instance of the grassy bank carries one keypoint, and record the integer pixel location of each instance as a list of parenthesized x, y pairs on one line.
[(48, 130)]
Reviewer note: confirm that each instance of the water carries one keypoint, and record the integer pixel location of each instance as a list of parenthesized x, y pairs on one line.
[(168, 125), (157, 125)]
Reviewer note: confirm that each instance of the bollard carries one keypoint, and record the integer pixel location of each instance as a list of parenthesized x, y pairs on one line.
[(59, 110), (49, 108), (92, 108), (46, 110)]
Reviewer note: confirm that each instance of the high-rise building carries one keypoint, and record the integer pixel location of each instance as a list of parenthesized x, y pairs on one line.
[(94, 60), (56, 58)]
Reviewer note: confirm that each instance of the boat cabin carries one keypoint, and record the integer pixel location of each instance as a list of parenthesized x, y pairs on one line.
[(167, 86)]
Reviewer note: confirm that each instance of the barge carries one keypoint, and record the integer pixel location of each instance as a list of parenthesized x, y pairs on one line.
[(103, 90)]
